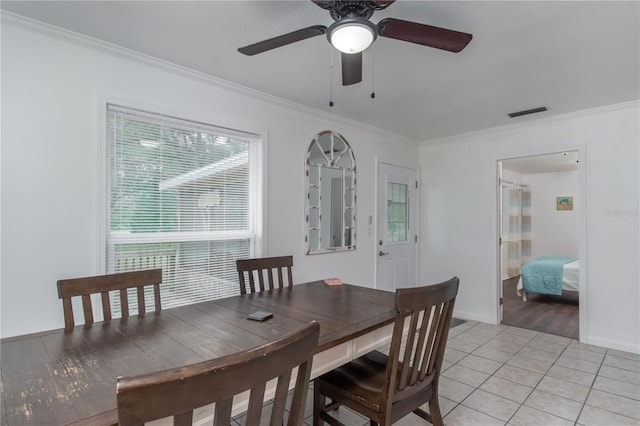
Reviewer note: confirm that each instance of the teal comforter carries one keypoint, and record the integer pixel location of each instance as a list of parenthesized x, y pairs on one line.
[(544, 275)]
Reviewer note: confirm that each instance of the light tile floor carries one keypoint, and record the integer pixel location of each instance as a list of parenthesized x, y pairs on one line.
[(502, 375)]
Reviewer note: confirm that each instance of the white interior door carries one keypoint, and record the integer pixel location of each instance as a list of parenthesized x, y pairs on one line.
[(397, 227)]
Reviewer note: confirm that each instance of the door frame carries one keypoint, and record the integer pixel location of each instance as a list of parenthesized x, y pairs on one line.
[(372, 224), (582, 235), (500, 229)]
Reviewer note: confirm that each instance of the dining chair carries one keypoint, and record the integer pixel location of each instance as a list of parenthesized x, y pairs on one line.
[(178, 392), (385, 388), (103, 284), (261, 266)]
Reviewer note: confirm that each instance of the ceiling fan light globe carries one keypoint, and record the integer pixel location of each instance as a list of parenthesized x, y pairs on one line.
[(351, 37)]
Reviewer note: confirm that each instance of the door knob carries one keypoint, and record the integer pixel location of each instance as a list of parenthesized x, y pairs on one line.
[(383, 253)]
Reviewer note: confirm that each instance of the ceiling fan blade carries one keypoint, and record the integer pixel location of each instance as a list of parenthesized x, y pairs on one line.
[(426, 35), (283, 40), (351, 68)]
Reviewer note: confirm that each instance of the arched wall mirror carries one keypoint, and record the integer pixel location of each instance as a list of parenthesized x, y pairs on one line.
[(331, 194)]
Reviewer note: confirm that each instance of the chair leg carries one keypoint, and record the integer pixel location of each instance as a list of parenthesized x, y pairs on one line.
[(318, 405), (434, 411), (320, 408), (421, 413), (332, 406)]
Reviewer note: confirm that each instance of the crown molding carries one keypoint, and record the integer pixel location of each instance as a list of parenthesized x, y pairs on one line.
[(532, 123), (39, 27)]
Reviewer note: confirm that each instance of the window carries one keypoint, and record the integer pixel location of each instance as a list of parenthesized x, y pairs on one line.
[(182, 196), (397, 212)]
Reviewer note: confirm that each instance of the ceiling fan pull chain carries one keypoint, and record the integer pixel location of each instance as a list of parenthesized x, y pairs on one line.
[(331, 78), (373, 72)]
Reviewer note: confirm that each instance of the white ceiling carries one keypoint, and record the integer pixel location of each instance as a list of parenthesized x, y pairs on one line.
[(565, 55)]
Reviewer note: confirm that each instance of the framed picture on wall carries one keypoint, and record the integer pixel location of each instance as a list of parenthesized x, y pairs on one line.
[(564, 203)]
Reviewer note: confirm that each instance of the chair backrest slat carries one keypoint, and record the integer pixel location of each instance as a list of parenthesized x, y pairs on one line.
[(124, 303), (67, 309), (409, 353), (106, 305), (167, 393), (428, 310), (252, 283), (141, 307), (223, 412), (256, 401), (439, 317), (103, 284), (280, 278), (270, 275), (290, 273), (87, 309), (420, 358), (264, 266), (280, 399)]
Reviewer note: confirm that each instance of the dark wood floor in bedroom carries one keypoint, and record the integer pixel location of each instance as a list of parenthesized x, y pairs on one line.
[(550, 314)]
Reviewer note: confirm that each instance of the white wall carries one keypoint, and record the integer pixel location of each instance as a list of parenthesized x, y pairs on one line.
[(459, 215), (554, 232), (52, 85)]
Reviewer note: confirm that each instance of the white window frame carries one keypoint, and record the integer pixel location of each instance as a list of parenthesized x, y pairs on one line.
[(259, 176)]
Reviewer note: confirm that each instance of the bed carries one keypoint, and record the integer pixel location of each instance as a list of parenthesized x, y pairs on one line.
[(549, 275)]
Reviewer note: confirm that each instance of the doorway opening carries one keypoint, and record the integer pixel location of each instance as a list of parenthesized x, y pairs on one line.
[(539, 243)]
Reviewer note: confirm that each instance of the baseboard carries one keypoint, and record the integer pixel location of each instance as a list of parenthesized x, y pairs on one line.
[(471, 316), (456, 321), (613, 344)]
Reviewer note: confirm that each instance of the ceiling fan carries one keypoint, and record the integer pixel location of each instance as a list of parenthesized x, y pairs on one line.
[(352, 33)]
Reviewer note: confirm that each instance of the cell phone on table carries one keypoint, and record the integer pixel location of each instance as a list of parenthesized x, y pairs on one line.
[(260, 316)]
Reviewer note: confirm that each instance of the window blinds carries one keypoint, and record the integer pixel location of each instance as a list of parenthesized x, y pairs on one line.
[(181, 197)]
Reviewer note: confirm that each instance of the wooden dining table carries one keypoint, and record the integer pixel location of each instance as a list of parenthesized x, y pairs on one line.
[(66, 377)]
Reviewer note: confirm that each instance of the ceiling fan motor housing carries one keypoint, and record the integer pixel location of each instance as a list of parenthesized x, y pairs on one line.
[(362, 9)]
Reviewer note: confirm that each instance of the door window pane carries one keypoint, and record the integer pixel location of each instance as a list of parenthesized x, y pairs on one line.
[(397, 212)]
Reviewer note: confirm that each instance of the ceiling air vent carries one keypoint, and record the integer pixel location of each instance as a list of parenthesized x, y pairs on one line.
[(526, 112)]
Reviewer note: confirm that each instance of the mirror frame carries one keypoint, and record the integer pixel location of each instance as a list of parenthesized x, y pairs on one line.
[(333, 162)]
